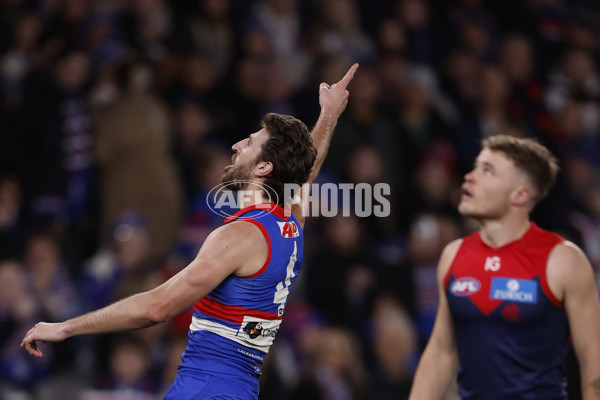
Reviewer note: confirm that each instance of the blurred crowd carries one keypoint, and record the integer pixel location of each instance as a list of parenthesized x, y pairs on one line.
[(117, 117)]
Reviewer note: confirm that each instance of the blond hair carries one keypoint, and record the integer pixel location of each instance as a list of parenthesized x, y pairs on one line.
[(529, 156)]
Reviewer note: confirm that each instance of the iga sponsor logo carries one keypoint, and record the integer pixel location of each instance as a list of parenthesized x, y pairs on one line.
[(465, 286)]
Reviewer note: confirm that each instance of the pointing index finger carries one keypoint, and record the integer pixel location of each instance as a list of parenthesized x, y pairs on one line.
[(348, 77)]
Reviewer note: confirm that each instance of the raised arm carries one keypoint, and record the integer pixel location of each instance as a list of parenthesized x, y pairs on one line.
[(236, 248), (570, 272), (333, 100), (440, 358)]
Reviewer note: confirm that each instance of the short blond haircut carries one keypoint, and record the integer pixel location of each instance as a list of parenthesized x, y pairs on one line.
[(529, 156)]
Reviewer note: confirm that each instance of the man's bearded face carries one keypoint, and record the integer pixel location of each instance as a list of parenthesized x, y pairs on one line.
[(238, 176)]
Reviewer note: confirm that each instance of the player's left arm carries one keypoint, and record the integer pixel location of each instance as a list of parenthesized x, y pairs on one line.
[(570, 272)]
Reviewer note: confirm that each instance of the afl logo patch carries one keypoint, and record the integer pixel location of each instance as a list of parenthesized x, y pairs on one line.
[(465, 286)]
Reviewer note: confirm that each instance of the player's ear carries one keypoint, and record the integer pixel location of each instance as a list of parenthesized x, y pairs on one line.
[(263, 168), (522, 195)]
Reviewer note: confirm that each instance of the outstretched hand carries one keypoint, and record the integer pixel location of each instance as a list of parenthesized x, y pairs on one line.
[(334, 98), (42, 332)]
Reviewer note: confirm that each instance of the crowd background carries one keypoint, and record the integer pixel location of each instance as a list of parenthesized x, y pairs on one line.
[(117, 117)]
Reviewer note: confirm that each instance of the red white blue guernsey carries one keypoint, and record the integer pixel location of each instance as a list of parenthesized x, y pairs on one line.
[(234, 325), (511, 331)]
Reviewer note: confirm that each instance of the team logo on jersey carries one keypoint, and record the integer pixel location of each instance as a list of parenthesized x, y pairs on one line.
[(509, 289), (465, 286), (288, 229), (492, 264), (510, 312)]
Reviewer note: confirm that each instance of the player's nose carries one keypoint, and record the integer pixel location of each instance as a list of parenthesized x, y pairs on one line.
[(237, 146), (469, 176)]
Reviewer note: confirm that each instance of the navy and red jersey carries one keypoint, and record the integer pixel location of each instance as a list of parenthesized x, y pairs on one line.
[(511, 331), (235, 324)]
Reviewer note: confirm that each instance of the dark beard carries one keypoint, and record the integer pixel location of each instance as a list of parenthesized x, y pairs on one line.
[(237, 178)]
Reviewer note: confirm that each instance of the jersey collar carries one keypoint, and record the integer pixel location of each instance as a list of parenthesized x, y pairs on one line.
[(272, 208), (532, 227)]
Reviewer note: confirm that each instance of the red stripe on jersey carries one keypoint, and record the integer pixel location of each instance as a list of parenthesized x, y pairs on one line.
[(233, 314), (279, 212)]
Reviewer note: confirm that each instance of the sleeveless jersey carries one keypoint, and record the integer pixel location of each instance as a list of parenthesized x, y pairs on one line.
[(511, 331), (235, 324)]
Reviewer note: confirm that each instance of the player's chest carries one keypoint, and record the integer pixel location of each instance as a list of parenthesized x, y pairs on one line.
[(496, 286)]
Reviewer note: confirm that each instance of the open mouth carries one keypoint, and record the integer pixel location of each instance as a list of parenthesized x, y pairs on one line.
[(465, 192), (227, 168)]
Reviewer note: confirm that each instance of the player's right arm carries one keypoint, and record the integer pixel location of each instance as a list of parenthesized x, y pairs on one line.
[(237, 248), (440, 358)]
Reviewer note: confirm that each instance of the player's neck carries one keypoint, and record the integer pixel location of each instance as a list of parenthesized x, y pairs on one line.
[(497, 233), (247, 198)]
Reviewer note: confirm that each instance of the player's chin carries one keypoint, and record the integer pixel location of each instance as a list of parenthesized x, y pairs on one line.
[(465, 209), (227, 177)]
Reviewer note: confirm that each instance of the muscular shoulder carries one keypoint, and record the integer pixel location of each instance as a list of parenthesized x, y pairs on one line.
[(567, 268), (242, 233), (240, 244), (447, 257), (566, 251), (251, 246)]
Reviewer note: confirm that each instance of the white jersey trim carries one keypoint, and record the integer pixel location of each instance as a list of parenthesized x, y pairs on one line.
[(255, 333)]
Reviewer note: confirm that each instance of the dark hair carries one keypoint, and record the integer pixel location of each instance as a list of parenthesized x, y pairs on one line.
[(530, 157), (291, 151)]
